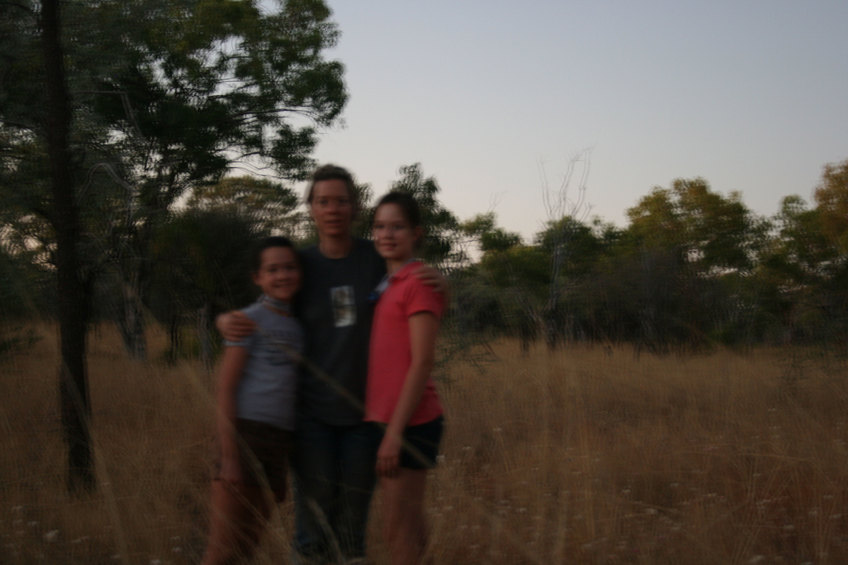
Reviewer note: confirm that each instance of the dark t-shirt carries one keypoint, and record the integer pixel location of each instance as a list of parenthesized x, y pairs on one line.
[(334, 308)]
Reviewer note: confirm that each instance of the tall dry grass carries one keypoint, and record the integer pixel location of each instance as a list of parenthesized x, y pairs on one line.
[(582, 456)]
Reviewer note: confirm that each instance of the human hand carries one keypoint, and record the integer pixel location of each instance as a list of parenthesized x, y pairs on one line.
[(431, 276), (388, 456), (235, 325)]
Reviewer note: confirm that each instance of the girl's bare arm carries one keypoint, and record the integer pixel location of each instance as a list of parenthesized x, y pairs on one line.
[(229, 375), (423, 328)]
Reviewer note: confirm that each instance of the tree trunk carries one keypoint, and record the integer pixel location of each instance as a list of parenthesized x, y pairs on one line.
[(70, 288), (131, 323), (551, 312), (204, 334), (175, 341)]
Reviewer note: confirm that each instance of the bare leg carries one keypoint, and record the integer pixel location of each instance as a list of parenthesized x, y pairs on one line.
[(404, 526), (238, 518)]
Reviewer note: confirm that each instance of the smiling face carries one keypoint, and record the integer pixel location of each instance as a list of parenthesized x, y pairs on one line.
[(332, 208), (279, 273), (394, 236)]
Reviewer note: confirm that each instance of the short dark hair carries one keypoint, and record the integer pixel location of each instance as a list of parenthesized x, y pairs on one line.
[(333, 172), (407, 204), (265, 243)]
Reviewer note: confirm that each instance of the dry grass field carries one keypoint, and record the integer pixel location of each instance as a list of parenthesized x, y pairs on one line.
[(584, 455)]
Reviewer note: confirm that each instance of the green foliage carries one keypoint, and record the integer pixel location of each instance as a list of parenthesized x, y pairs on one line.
[(515, 280), (194, 266), (25, 287), (709, 231), (361, 222), (270, 205), (197, 273), (832, 203), (166, 95), (521, 266), (577, 244), (490, 237), (23, 296), (807, 262), (441, 226)]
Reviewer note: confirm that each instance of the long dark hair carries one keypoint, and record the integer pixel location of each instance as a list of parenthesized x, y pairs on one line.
[(407, 204)]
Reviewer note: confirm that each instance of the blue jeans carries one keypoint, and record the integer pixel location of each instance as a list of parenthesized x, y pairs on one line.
[(334, 478)]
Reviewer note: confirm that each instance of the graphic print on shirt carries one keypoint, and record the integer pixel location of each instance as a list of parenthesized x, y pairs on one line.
[(344, 309)]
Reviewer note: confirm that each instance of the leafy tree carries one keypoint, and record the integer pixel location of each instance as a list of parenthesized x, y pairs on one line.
[(270, 205), (576, 242), (166, 95), (832, 203), (127, 105), (688, 254), (710, 232), (23, 295), (488, 297), (572, 248), (523, 275), (198, 274), (442, 227), (504, 293), (807, 263), (567, 201), (794, 271), (490, 238), (802, 249), (71, 287)]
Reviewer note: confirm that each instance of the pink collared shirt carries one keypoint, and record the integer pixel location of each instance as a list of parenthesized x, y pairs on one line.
[(391, 352)]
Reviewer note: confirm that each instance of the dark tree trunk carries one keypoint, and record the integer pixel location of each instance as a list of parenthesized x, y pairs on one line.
[(204, 334), (175, 341), (71, 290)]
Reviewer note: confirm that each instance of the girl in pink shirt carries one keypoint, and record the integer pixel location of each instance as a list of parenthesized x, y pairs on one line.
[(400, 394)]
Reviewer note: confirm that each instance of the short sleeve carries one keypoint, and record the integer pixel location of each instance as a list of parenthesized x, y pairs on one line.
[(423, 298), (246, 342)]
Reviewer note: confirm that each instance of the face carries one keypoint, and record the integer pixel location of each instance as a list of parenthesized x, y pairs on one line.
[(331, 208), (279, 273), (394, 237)]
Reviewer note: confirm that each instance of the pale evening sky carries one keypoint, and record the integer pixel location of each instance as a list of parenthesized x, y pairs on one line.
[(751, 95)]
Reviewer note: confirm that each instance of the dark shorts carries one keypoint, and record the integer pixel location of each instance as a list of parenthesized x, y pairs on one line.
[(420, 443), (264, 452)]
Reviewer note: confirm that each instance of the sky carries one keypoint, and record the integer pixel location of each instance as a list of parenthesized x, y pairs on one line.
[(494, 99)]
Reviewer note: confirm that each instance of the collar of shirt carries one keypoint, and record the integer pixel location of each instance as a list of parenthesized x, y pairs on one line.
[(400, 274)]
